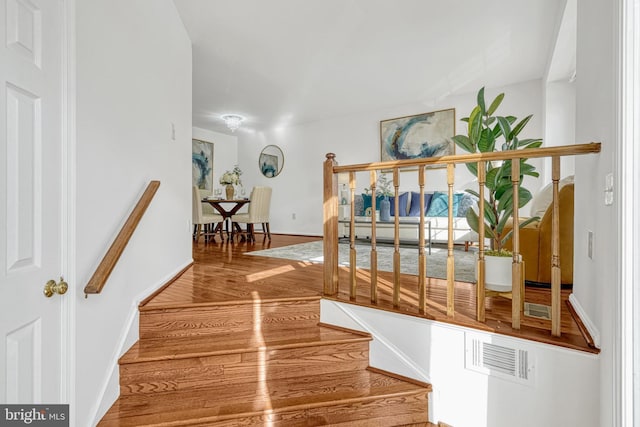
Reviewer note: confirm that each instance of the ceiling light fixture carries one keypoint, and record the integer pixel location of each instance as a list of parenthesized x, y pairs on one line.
[(233, 121)]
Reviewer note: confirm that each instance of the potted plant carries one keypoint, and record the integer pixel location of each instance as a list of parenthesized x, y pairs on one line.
[(486, 133)]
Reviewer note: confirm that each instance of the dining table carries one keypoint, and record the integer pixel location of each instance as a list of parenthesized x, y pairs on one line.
[(227, 208)]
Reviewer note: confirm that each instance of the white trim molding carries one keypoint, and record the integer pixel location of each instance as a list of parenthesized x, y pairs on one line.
[(588, 323), (627, 338), (68, 232)]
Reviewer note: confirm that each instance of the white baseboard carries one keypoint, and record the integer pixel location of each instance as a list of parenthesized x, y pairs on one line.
[(582, 314), (110, 389)]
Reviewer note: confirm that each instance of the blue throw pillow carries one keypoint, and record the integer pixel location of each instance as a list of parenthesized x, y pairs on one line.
[(414, 209), (366, 202), (439, 205), (465, 203), (402, 201)]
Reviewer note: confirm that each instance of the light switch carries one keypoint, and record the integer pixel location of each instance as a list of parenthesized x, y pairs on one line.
[(608, 189)]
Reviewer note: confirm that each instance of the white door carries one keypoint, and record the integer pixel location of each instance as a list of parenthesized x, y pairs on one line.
[(31, 165)]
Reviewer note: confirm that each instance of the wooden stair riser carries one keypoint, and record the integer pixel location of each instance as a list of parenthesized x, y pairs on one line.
[(205, 320), (384, 411), (253, 366)]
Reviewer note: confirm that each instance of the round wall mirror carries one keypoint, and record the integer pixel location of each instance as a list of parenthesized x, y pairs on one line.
[(271, 161)]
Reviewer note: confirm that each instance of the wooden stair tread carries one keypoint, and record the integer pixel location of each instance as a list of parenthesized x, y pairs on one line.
[(249, 300), (230, 343), (253, 399)]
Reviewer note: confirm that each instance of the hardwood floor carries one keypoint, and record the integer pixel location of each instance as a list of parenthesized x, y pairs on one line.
[(235, 348), (222, 273), (236, 340)]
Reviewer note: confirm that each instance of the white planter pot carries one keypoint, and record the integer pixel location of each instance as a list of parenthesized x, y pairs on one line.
[(497, 273)]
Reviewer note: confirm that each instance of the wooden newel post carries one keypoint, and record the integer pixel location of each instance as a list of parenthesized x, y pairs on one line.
[(330, 227)]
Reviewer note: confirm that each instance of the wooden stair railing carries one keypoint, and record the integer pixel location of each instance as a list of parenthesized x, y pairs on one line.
[(109, 261), (331, 169)]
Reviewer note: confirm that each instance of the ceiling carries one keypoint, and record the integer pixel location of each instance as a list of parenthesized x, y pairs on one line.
[(286, 62)]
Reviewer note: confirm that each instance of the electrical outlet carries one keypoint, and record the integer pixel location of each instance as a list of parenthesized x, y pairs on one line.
[(173, 131), (590, 244), (293, 216)]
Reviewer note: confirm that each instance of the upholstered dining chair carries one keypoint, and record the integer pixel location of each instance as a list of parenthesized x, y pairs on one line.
[(258, 212), (204, 223)]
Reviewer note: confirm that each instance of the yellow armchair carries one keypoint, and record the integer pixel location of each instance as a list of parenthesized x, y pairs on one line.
[(535, 243)]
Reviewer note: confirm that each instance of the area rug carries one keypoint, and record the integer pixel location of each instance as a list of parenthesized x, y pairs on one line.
[(436, 262)]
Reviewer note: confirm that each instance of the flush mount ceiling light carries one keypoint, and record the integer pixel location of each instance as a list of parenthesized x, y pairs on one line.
[(233, 121)]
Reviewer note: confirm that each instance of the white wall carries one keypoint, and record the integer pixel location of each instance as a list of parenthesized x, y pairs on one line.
[(560, 124), (595, 284), (133, 81), (356, 139), (225, 151), (563, 391)]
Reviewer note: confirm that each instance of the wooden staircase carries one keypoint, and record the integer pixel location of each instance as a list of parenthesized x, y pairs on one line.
[(257, 362)]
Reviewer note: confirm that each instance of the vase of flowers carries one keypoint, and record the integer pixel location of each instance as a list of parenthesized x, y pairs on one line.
[(229, 179)]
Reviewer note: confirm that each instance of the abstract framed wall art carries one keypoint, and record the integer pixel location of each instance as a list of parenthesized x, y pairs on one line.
[(202, 165), (421, 136), (271, 161)]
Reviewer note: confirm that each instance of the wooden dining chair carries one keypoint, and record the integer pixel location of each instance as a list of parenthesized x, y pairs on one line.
[(204, 224), (258, 213)]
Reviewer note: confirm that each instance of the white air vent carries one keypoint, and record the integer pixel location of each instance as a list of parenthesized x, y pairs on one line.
[(497, 357), (537, 310)]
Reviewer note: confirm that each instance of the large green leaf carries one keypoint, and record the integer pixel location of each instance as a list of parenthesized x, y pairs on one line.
[(527, 169), (474, 224), (505, 127), (527, 142), (475, 125), (481, 101), (503, 186), (487, 141), (506, 201), (473, 192), (464, 142), (524, 197), (489, 121), (472, 220), (495, 104), (516, 130), (496, 129), (492, 178)]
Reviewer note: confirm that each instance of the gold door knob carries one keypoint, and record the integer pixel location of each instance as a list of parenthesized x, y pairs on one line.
[(55, 288)]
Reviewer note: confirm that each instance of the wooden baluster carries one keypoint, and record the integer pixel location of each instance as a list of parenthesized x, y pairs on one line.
[(480, 289), (330, 216), (396, 240), (516, 270), (450, 260), (422, 257), (555, 250), (374, 253), (352, 236)]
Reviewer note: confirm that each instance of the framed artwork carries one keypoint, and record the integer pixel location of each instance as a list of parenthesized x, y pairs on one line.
[(202, 165), (271, 161), (418, 137)]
